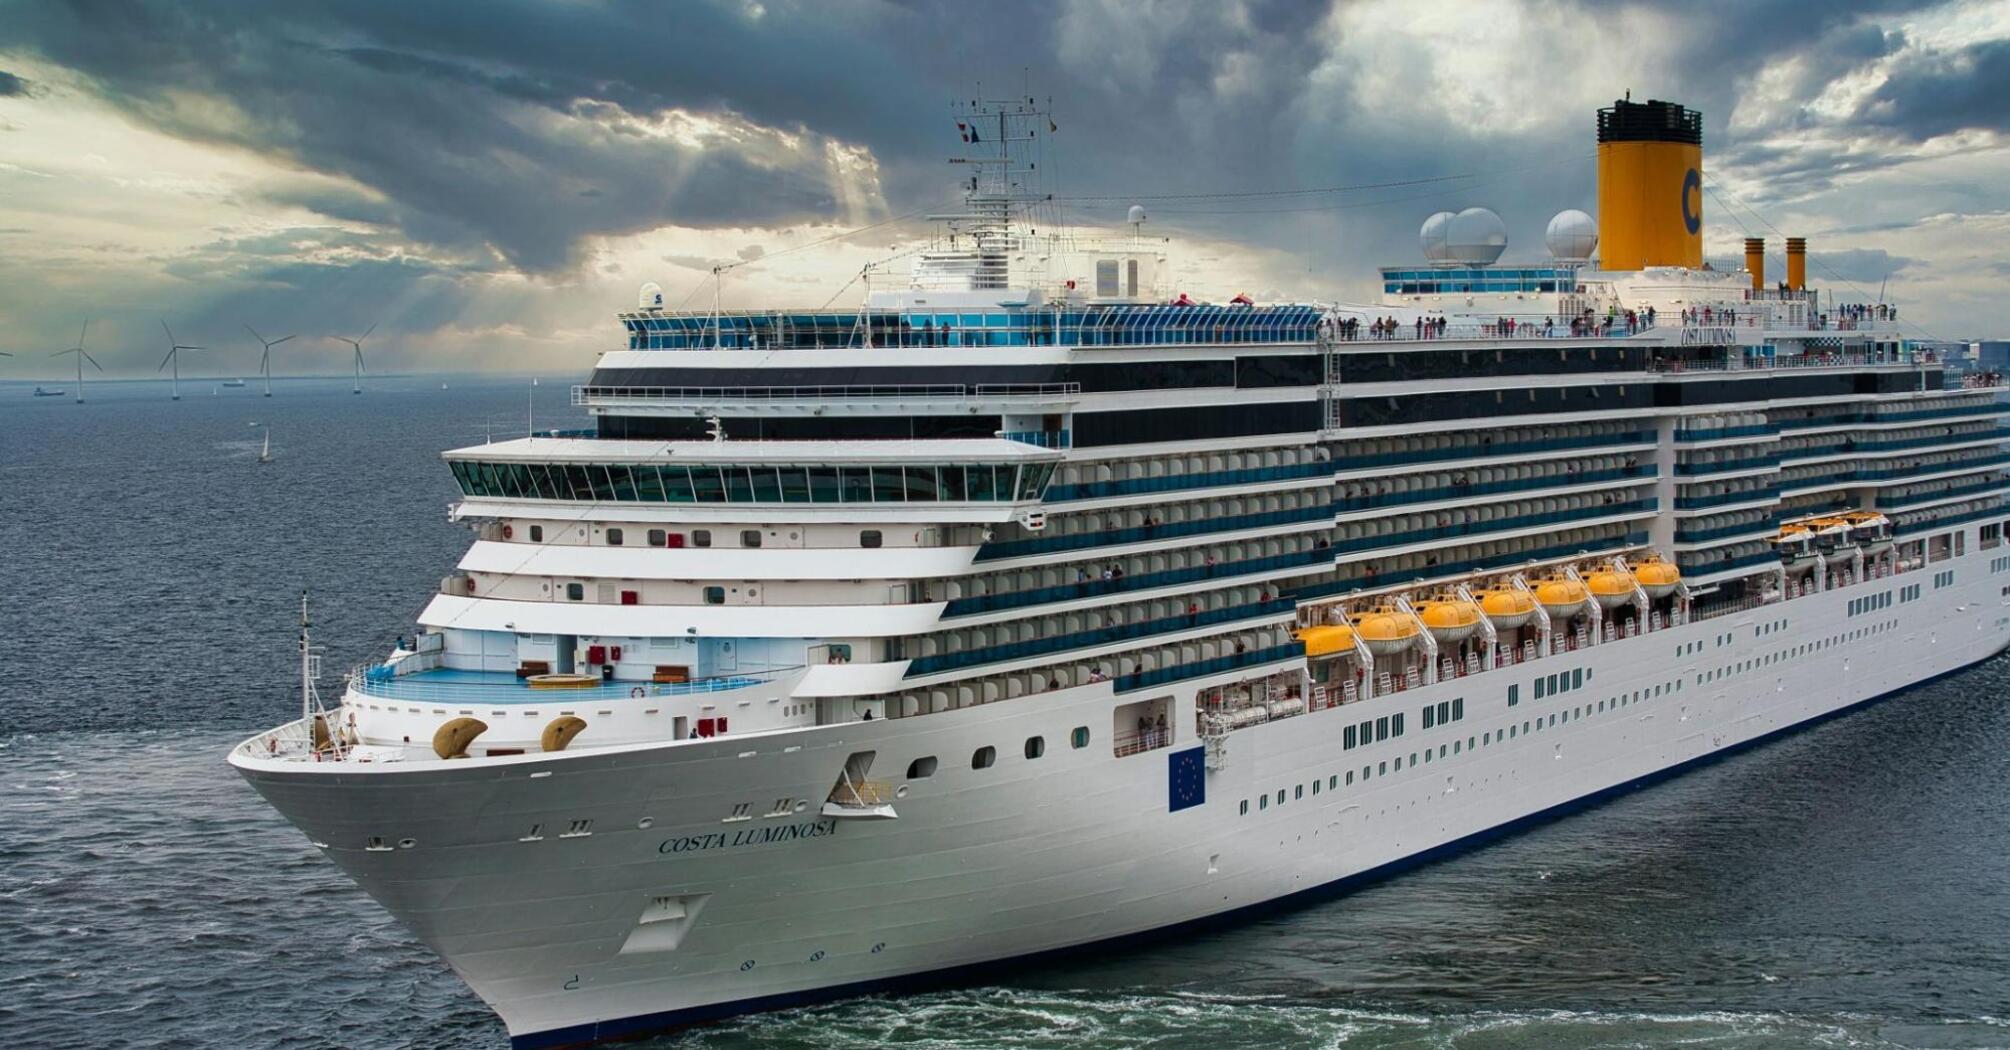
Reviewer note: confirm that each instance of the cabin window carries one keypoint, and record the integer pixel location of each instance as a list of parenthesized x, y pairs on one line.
[(921, 768), (575, 592), (614, 537), (983, 757)]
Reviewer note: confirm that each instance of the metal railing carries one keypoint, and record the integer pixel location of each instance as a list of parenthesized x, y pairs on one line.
[(382, 683), (1035, 392)]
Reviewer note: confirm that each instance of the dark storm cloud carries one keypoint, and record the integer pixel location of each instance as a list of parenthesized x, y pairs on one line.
[(1947, 92)]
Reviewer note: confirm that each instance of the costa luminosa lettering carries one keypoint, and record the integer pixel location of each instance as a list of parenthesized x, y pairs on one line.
[(767, 836)]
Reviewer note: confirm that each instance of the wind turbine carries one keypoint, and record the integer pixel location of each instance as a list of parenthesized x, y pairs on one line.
[(173, 358), (358, 344), (265, 359), (82, 356)]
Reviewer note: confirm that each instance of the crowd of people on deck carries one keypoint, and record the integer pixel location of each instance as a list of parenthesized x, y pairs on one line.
[(1424, 326)]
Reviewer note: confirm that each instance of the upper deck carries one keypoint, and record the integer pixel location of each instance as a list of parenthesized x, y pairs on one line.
[(1005, 324)]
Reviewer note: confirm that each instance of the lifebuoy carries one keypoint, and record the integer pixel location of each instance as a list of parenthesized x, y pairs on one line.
[(508, 532), (636, 692)]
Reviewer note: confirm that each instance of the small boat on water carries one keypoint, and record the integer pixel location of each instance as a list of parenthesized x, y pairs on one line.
[(43, 391)]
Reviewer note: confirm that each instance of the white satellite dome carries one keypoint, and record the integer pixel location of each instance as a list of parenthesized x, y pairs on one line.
[(651, 296), (1432, 237), (1475, 237), (1572, 236)]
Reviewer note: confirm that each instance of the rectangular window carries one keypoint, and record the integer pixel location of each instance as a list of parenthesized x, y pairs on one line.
[(824, 485), (677, 486), (795, 484), (622, 481), (707, 486), (887, 485), (856, 484), (648, 484), (739, 484), (981, 483)]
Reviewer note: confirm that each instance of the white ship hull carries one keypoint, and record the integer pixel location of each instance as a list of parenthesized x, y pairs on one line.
[(1036, 856)]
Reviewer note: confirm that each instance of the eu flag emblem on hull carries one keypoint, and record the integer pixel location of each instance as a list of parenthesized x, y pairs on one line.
[(1186, 779)]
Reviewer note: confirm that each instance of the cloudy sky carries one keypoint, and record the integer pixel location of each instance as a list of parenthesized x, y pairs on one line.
[(489, 182)]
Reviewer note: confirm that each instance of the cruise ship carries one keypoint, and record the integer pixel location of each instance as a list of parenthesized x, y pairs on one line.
[(1035, 605)]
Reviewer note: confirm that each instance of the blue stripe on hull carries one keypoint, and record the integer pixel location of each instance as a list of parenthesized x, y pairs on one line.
[(656, 1023)]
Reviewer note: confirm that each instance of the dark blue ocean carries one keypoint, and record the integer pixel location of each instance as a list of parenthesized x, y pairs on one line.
[(1848, 886)]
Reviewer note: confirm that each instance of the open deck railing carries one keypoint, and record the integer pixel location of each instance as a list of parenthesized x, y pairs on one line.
[(1043, 393)]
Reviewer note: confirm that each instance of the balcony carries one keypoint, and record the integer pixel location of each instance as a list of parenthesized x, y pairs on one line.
[(1553, 481), (1179, 672), (1457, 452), (1224, 572), (1182, 482), (1147, 533), (928, 665)]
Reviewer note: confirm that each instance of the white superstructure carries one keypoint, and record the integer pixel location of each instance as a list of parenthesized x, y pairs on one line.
[(1000, 617)]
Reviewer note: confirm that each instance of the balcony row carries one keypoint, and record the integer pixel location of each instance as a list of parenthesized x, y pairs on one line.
[(1126, 671), (1409, 449), (1174, 619), (1156, 531), (1407, 529), (1175, 473), (1224, 562), (1462, 558), (1486, 481)]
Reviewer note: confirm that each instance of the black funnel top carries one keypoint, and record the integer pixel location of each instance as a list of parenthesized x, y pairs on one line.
[(1650, 121)]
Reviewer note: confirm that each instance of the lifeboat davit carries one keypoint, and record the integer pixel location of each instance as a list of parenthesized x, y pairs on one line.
[(1796, 546), (1657, 577), (1610, 588), (1450, 619), (1326, 640), (1506, 608), (1385, 631), (1871, 530), (1562, 597)]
